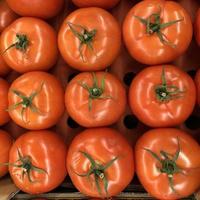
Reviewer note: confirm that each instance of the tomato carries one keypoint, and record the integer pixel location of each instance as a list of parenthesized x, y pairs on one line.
[(36, 8), (4, 116), (197, 27), (7, 16), (168, 163), (157, 31), (197, 82), (37, 162), (96, 3), (162, 96), (29, 44), (100, 162), (4, 69), (95, 99), (5, 145), (36, 100), (89, 39)]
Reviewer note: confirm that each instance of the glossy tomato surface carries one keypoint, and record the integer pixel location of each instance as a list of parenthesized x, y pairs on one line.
[(36, 8), (5, 145), (42, 154), (98, 43), (102, 145), (197, 82), (186, 181), (7, 16), (4, 116), (146, 89), (145, 45), (96, 3), (197, 27), (35, 46), (36, 100), (97, 105), (4, 69)]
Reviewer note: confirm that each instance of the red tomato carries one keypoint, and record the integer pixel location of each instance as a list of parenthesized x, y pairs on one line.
[(4, 69), (95, 99), (29, 44), (5, 145), (157, 31), (36, 8), (89, 39), (168, 163), (197, 27), (36, 100), (100, 162), (4, 116), (197, 82), (38, 162), (162, 96), (96, 3)]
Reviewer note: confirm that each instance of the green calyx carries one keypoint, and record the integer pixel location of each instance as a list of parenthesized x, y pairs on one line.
[(96, 91), (168, 163), (165, 92), (99, 172), (85, 37), (21, 43), (26, 102), (153, 25), (26, 165)]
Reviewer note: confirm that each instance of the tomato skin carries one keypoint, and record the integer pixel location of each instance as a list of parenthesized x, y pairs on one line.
[(197, 27), (5, 145), (42, 147), (4, 116), (103, 111), (154, 113), (7, 16), (4, 69), (103, 144), (149, 49), (41, 53), (36, 8), (152, 179), (106, 43), (96, 3), (49, 101), (197, 83)]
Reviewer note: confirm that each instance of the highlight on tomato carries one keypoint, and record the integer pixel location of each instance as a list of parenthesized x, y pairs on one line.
[(38, 8), (29, 44), (162, 96), (168, 163), (36, 100), (4, 116), (197, 27), (37, 162), (96, 3), (95, 99), (157, 31), (5, 145), (89, 39), (100, 162)]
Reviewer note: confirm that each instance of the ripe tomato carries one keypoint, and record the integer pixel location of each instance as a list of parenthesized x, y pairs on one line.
[(7, 16), (89, 39), (36, 8), (162, 96), (4, 116), (29, 44), (4, 69), (5, 145), (197, 27), (37, 161), (96, 3), (157, 31), (100, 162), (36, 100), (168, 163), (197, 82), (95, 99)]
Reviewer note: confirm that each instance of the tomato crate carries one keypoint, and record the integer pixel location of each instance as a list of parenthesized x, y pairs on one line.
[(125, 68)]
